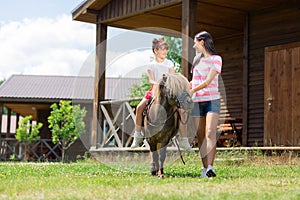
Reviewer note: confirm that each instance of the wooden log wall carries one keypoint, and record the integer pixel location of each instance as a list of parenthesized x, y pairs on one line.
[(231, 51), (267, 28)]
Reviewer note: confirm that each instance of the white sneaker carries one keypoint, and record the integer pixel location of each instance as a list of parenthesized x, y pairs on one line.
[(203, 174), (210, 171), (137, 140), (184, 144)]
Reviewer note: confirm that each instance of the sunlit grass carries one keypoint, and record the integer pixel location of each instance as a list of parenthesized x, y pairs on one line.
[(240, 175)]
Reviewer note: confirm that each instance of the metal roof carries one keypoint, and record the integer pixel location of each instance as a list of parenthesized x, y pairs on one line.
[(62, 87)]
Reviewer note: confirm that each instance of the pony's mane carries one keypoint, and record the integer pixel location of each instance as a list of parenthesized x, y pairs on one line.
[(175, 83)]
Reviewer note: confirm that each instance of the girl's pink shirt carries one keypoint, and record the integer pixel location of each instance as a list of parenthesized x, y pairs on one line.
[(200, 73)]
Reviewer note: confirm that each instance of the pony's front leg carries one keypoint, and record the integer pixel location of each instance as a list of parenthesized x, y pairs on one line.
[(154, 163), (162, 158)]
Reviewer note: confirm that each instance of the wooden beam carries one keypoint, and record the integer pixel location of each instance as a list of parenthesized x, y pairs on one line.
[(99, 84), (189, 10), (8, 122), (245, 82), (1, 115), (91, 11)]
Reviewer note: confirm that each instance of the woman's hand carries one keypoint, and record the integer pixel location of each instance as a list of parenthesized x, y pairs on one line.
[(192, 91)]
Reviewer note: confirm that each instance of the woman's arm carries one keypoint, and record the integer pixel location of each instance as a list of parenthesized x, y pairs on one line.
[(210, 77)]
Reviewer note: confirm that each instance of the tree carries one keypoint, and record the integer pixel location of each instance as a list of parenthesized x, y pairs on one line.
[(138, 91), (175, 52), (27, 132), (66, 123)]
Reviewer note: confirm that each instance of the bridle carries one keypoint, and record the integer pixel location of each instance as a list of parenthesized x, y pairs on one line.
[(159, 123), (180, 101)]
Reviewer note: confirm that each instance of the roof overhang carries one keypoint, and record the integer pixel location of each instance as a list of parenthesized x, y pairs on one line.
[(222, 18)]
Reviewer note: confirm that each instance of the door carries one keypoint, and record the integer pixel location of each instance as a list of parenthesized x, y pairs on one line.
[(282, 95)]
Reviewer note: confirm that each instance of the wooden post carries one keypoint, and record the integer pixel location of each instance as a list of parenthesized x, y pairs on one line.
[(1, 113), (245, 82), (8, 123), (189, 10), (99, 85)]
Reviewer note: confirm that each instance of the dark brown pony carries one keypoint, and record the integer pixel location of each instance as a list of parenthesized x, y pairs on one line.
[(162, 117)]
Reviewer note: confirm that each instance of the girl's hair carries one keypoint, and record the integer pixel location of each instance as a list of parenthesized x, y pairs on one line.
[(208, 44), (208, 41), (158, 43)]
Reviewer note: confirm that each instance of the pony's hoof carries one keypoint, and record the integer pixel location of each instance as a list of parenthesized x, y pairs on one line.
[(154, 173), (160, 175)]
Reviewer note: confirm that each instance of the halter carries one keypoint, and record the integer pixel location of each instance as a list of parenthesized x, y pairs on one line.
[(181, 102), (160, 123)]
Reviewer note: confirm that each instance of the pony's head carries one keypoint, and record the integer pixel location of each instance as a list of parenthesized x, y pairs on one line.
[(177, 90)]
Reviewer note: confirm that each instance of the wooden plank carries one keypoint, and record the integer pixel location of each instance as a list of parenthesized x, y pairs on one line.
[(295, 117), (111, 125)]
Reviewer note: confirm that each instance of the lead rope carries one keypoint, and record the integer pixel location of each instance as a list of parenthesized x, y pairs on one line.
[(176, 143)]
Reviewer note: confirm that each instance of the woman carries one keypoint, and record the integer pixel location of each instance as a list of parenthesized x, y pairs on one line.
[(159, 66), (206, 69)]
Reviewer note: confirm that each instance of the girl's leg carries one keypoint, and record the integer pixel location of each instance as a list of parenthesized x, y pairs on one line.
[(201, 123), (139, 114), (212, 120), (137, 137)]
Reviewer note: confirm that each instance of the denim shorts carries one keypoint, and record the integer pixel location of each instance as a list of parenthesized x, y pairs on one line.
[(202, 108)]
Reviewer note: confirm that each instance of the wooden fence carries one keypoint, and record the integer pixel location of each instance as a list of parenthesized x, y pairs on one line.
[(119, 123), (42, 150)]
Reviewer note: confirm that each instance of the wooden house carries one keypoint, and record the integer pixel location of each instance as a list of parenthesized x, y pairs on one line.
[(259, 42), (24, 95)]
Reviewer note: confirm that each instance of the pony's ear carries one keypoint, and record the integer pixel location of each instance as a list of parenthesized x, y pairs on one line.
[(163, 80)]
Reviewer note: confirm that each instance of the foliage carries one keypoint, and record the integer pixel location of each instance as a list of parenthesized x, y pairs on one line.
[(27, 132), (138, 91), (174, 54), (66, 123)]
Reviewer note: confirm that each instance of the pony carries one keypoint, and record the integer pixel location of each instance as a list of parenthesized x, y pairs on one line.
[(170, 97)]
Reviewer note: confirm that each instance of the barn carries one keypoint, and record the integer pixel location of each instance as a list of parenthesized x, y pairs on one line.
[(24, 95)]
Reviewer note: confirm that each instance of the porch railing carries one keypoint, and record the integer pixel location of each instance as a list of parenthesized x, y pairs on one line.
[(44, 149), (119, 125), (119, 120)]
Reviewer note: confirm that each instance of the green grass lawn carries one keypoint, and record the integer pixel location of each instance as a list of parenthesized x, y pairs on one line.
[(239, 176)]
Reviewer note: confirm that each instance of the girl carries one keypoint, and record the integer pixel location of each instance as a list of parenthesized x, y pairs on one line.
[(159, 66), (206, 69)]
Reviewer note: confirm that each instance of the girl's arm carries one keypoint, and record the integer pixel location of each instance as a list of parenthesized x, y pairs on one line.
[(172, 70), (151, 77), (210, 77)]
